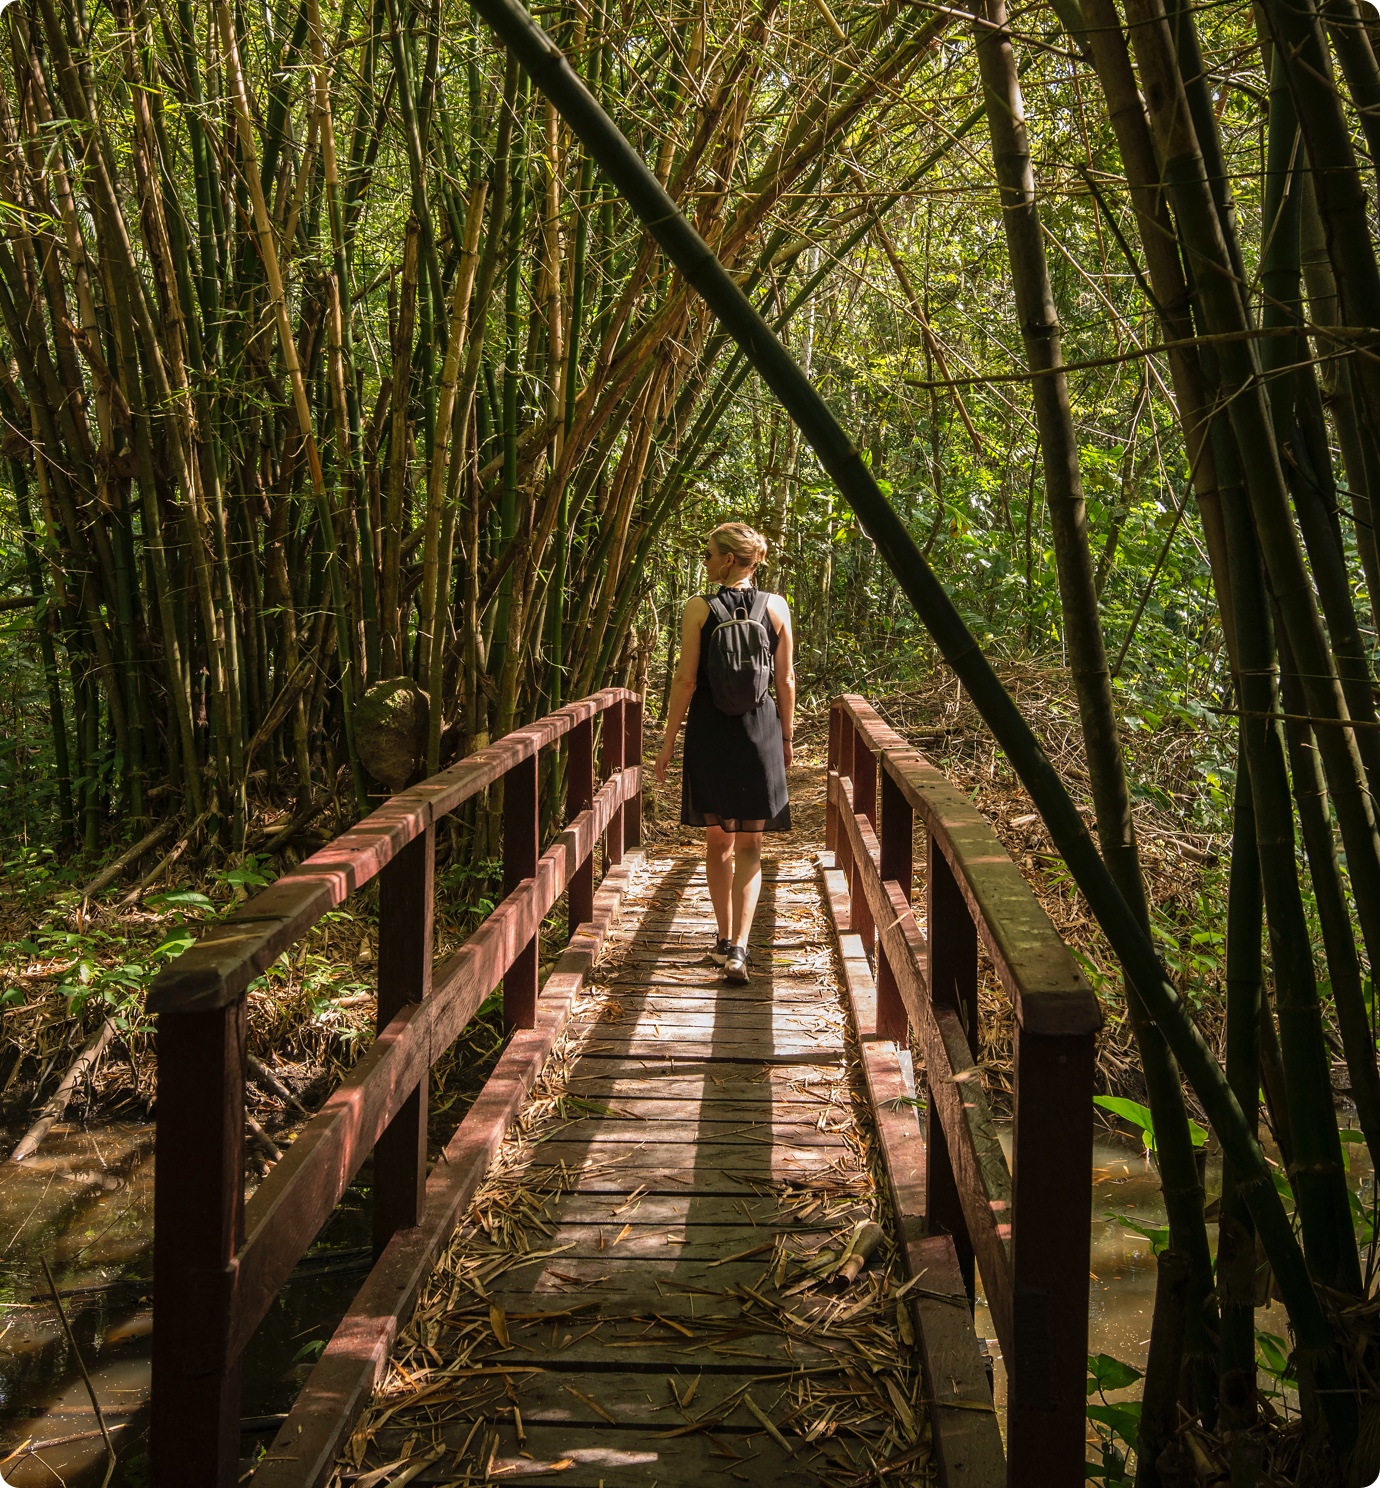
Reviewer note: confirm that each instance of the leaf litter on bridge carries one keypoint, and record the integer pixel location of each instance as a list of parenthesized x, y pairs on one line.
[(767, 1361)]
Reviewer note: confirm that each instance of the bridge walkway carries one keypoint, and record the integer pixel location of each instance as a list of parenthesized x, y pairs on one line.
[(647, 1286), (644, 1288)]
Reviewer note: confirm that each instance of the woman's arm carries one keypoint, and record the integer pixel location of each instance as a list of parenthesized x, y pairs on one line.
[(683, 687), (784, 670)]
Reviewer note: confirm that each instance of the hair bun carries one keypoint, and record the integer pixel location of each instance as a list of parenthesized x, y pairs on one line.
[(746, 544)]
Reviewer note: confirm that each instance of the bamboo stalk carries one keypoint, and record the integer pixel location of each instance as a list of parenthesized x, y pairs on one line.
[(435, 585), (53, 1108), (1182, 1188), (1318, 1350)]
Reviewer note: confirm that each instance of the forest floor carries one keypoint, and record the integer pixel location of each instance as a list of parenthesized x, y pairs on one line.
[(67, 962)]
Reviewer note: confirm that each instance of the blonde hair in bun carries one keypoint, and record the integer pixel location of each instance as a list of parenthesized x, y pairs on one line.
[(746, 544)]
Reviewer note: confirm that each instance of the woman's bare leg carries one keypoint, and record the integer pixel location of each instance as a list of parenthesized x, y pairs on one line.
[(747, 883), (718, 869)]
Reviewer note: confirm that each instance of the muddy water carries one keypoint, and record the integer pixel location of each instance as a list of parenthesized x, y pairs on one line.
[(85, 1204), (1121, 1285)]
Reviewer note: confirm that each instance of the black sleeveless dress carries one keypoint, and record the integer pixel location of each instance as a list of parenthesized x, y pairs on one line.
[(735, 767)]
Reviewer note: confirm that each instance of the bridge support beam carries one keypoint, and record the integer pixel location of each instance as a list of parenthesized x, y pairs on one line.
[(198, 1192), (521, 849), (898, 864), (405, 946)]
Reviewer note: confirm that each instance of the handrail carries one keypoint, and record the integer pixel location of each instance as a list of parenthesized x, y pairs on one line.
[(219, 1262), (1025, 1226), (225, 960)]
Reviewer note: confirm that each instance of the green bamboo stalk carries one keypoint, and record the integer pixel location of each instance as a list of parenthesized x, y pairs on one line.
[(512, 376), (1038, 318), (1318, 1352), (1245, 979), (584, 206), (1219, 295), (435, 569), (1343, 965), (390, 604), (43, 624), (416, 152)]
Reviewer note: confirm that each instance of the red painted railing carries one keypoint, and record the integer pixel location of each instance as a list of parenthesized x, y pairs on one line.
[(219, 1262), (1026, 1226)]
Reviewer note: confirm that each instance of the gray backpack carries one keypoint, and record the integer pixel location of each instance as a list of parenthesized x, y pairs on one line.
[(738, 662)]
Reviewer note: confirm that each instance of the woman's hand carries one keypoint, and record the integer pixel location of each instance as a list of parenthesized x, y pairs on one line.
[(663, 760), (788, 749)]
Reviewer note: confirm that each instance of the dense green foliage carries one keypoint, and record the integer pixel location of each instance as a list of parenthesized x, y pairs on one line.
[(331, 360)]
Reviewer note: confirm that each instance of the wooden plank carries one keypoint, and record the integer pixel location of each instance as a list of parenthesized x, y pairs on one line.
[(763, 1157), (755, 1130), (784, 1050), (820, 1019), (338, 1387), (613, 1457), (634, 1399), (612, 1210), (723, 1178), (713, 1106), (234, 951), (963, 1423), (982, 1179), (585, 1341), (648, 1276), (612, 1079), (713, 1238)]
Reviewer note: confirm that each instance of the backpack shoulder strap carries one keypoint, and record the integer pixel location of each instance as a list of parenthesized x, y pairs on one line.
[(759, 606), (719, 607)]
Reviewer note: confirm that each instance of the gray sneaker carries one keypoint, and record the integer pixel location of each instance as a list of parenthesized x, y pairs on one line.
[(720, 952), (736, 966)]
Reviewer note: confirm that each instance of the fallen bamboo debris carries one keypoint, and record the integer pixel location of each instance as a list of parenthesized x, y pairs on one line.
[(658, 1215)]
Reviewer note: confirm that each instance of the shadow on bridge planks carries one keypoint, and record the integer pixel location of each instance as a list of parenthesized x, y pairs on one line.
[(715, 1138)]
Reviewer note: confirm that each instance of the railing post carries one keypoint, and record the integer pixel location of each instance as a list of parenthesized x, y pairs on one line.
[(831, 810), (864, 804), (632, 755), (406, 896), (952, 977), (198, 1210), (521, 849), (898, 824), (579, 796), (1051, 1202), (610, 763), (843, 852)]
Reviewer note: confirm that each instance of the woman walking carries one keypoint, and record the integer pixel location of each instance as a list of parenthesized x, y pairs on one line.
[(734, 780)]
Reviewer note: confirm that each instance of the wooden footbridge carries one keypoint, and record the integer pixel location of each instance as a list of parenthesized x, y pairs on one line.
[(631, 1262)]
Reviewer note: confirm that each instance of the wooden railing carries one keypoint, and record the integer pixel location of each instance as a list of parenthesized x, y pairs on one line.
[(1027, 1226), (219, 1262)]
